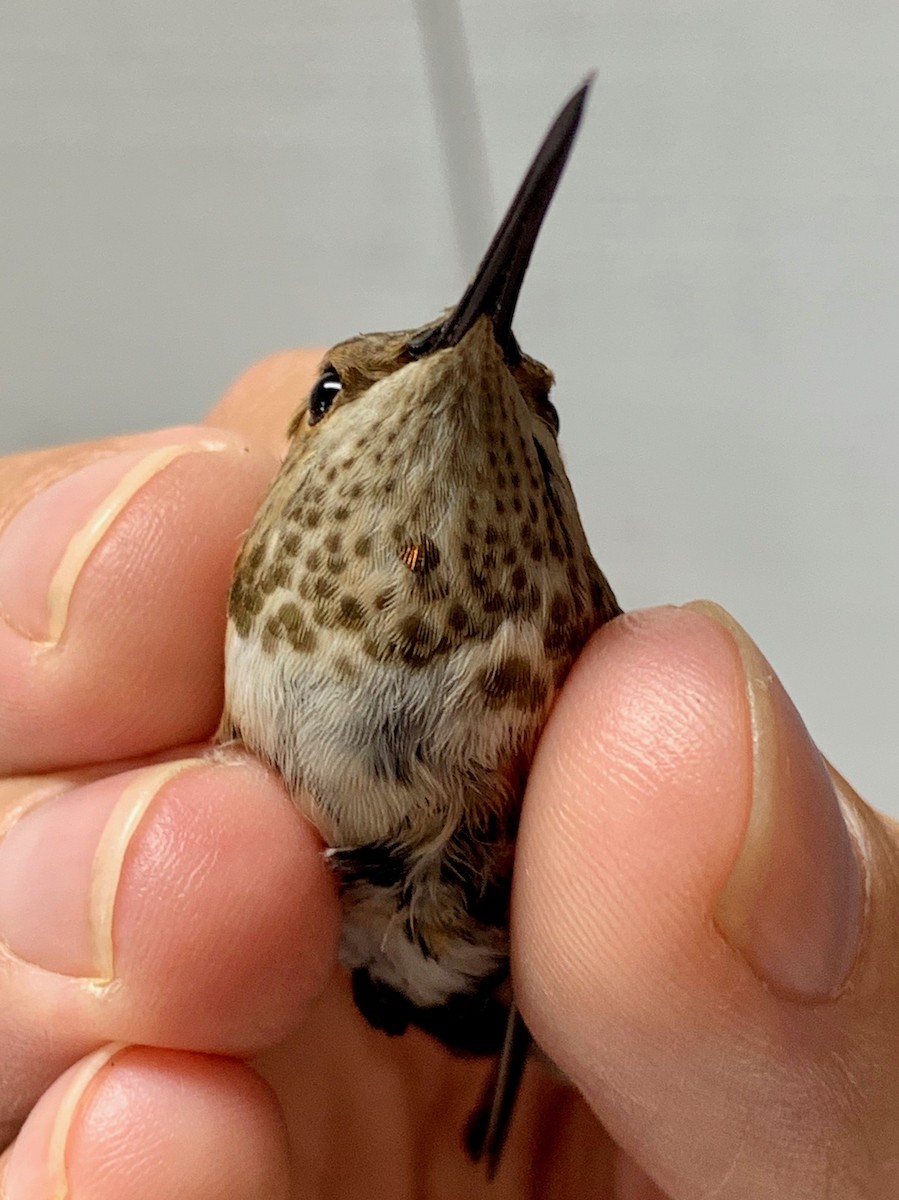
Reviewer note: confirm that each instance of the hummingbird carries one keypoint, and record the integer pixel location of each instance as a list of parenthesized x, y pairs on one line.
[(404, 609)]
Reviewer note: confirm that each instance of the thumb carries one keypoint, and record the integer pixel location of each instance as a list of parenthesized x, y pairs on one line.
[(704, 922)]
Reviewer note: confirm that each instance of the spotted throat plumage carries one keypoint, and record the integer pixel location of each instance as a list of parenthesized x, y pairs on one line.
[(404, 609)]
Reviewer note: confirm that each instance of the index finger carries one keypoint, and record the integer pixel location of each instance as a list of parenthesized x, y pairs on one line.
[(115, 562)]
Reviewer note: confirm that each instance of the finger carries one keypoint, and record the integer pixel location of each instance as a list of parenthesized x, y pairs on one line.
[(25, 474), (688, 921), (140, 1123), (113, 585), (260, 404), (184, 905)]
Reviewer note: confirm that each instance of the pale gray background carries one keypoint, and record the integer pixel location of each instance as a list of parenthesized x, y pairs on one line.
[(186, 187)]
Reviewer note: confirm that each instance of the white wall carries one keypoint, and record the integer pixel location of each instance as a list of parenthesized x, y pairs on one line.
[(186, 187)]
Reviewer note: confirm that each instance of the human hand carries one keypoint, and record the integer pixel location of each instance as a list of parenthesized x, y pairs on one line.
[(717, 971), (149, 894), (708, 1073)]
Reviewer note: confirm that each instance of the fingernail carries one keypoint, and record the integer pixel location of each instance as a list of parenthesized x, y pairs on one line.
[(60, 866), (793, 903), (45, 546), (37, 1164)]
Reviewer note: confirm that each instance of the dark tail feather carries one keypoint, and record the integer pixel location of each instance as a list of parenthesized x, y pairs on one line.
[(488, 1125)]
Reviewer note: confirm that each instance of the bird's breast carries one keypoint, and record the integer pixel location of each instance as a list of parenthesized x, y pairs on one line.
[(397, 671), (375, 746)]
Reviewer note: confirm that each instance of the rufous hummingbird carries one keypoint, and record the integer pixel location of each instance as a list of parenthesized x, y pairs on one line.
[(404, 610)]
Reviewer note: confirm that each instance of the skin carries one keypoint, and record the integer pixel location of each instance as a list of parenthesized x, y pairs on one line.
[(246, 1071)]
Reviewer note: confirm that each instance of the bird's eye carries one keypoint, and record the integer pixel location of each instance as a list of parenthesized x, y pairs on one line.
[(323, 394)]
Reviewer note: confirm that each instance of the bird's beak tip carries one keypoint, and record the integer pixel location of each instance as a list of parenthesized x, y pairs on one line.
[(497, 282)]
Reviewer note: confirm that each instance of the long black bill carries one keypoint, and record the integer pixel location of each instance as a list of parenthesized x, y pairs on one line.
[(497, 282)]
